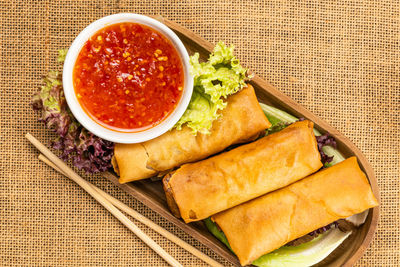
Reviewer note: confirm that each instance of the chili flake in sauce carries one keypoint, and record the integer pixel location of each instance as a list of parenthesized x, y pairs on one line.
[(128, 76)]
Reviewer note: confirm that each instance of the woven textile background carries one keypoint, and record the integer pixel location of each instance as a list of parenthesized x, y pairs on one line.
[(340, 59)]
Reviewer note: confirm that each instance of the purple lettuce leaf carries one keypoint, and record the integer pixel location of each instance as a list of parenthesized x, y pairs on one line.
[(325, 140), (87, 151), (310, 236)]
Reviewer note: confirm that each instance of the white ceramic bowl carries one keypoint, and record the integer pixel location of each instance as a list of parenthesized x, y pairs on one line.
[(86, 120)]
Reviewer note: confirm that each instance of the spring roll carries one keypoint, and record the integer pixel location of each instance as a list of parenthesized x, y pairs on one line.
[(198, 190), (241, 121), (262, 225)]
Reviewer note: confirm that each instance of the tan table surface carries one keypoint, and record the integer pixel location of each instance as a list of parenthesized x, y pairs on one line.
[(340, 59)]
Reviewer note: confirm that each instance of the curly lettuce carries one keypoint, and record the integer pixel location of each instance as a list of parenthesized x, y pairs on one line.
[(214, 80), (87, 151)]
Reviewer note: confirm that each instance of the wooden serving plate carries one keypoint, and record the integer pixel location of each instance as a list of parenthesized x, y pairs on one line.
[(152, 195)]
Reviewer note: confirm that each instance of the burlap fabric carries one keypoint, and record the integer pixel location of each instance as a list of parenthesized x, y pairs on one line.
[(341, 60)]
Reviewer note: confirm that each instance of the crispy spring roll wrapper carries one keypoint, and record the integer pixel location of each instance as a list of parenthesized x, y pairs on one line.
[(262, 225), (241, 121), (198, 190)]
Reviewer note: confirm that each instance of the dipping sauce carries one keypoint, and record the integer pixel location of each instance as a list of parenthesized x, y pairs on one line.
[(128, 77)]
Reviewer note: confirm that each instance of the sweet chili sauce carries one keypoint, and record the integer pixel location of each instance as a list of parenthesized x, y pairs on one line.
[(128, 77)]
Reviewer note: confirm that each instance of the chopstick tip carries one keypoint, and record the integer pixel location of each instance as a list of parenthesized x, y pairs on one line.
[(28, 135)]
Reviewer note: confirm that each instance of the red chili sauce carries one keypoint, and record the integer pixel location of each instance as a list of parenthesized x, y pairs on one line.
[(128, 77)]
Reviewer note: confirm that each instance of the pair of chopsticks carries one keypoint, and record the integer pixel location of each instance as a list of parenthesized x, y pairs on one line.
[(115, 207)]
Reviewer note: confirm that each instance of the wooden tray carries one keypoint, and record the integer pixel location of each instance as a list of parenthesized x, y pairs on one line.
[(152, 195)]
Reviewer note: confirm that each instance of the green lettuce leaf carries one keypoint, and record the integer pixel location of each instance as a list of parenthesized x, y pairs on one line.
[(201, 112), (306, 254), (214, 80), (62, 53), (212, 227)]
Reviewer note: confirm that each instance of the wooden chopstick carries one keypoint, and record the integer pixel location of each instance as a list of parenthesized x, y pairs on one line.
[(144, 220), (103, 201)]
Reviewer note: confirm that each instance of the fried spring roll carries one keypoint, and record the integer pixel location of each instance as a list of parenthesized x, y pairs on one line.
[(241, 121), (262, 225), (198, 190)]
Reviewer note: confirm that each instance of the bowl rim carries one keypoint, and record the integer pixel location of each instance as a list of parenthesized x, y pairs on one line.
[(87, 121)]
